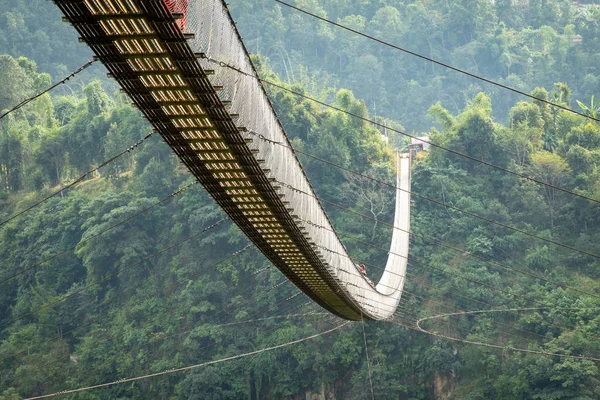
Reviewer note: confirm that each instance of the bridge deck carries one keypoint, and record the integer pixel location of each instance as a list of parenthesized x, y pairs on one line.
[(143, 48)]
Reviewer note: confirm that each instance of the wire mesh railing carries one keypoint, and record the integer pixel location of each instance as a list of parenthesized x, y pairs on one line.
[(218, 39)]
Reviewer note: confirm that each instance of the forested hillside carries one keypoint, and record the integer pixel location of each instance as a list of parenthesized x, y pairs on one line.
[(521, 43), (126, 274)]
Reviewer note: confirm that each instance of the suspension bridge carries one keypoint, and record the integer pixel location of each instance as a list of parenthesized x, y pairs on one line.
[(180, 62), (184, 65)]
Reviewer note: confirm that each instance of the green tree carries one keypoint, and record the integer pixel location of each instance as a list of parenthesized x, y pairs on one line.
[(17, 84), (553, 169), (10, 162)]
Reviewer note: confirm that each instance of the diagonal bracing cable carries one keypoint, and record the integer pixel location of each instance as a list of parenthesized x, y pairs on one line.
[(457, 311), (526, 273), (414, 325), (76, 181), (381, 125), (64, 80), (409, 324), (393, 46), (437, 202), (502, 347), (118, 271), (411, 277), (97, 234), (456, 315), (114, 312), (182, 369), (442, 306)]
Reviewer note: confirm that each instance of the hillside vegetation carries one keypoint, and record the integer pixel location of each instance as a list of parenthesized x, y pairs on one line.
[(85, 299)]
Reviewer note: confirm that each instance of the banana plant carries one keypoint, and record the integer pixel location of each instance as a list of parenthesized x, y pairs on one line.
[(593, 110)]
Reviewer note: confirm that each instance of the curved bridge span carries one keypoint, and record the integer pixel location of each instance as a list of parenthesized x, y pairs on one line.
[(213, 119)]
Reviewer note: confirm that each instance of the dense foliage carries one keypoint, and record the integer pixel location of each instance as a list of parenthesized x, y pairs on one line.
[(106, 307), (524, 44)]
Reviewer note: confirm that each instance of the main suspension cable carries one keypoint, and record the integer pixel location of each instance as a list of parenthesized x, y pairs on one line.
[(383, 126), (434, 61), (437, 202)]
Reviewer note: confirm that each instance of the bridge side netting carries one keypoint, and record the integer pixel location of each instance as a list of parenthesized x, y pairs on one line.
[(218, 39), (393, 277)]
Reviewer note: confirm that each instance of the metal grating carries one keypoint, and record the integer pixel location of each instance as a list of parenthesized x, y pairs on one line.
[(146, 52)]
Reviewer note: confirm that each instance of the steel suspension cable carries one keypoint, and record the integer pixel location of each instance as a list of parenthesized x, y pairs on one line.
[(118, 271), (182, 369), (437, 202), (440, 203), (416, 316), (62, 81), (76, 181), (264, 332), (97, 234), (434, 61), (383, 126)]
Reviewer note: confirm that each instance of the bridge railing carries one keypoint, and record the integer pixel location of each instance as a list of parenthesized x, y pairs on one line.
[(217, 37)]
